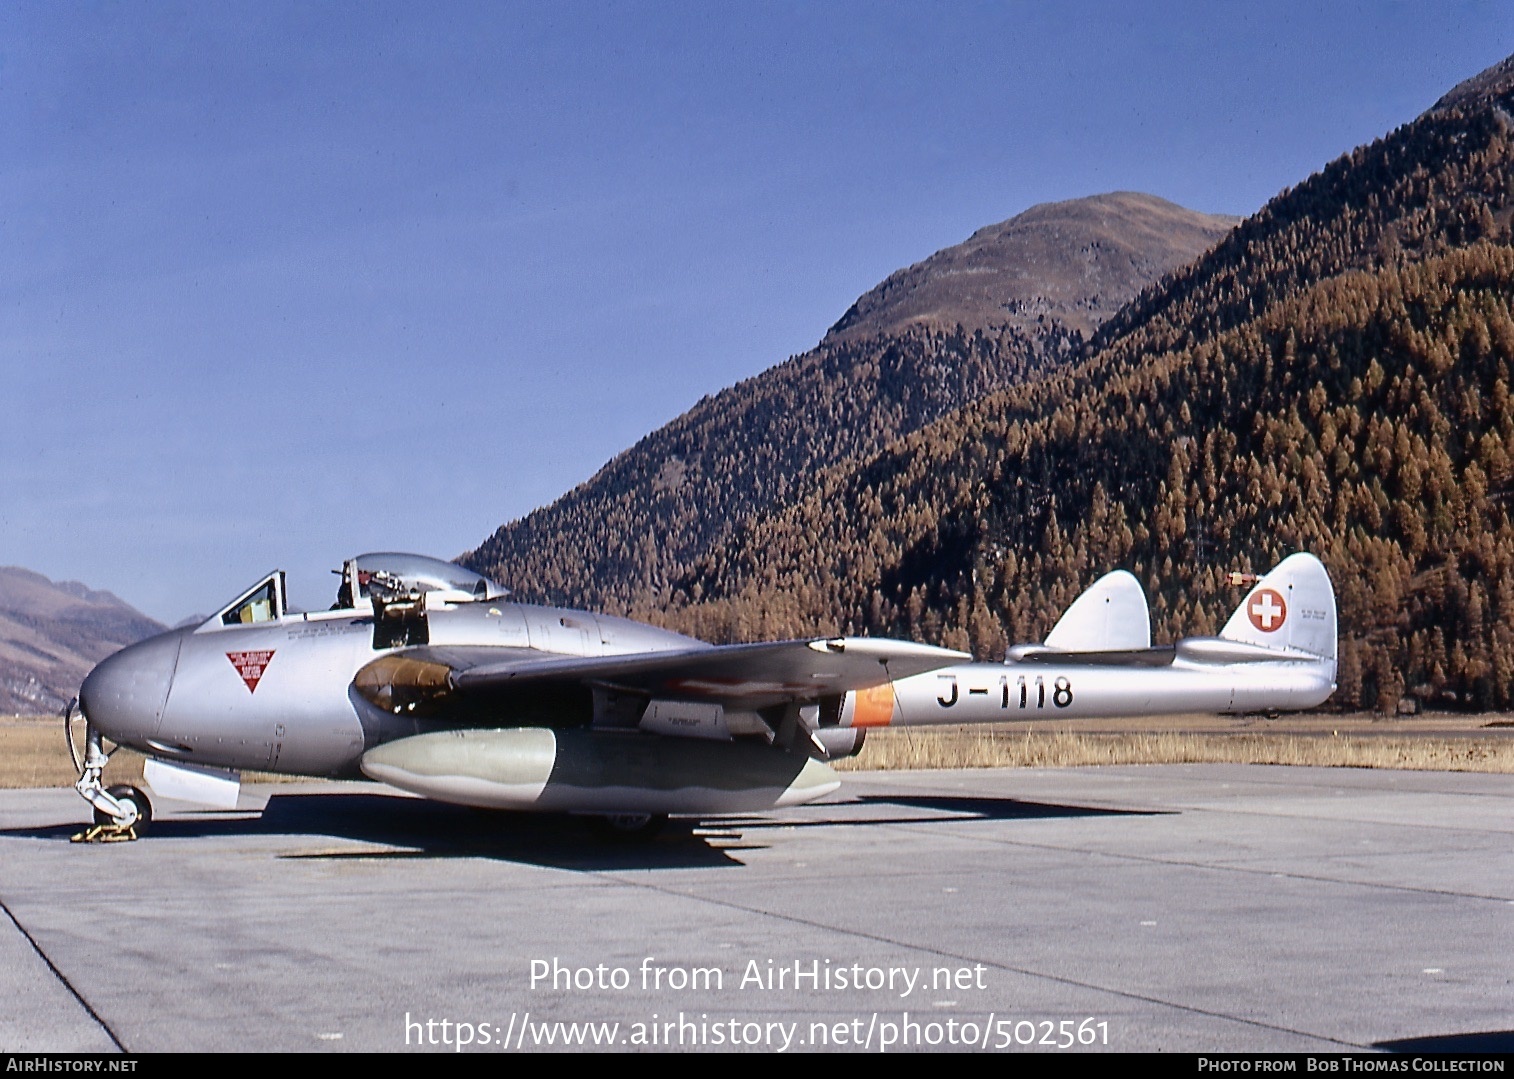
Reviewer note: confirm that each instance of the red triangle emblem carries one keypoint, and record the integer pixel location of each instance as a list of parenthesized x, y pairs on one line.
[(250, 665)]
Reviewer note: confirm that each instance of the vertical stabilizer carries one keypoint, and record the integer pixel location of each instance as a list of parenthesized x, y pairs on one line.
[(1293, 607), (1110, 617)]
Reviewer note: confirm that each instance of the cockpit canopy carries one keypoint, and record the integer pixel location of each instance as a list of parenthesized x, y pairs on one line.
[(411, 573), (370, 581)]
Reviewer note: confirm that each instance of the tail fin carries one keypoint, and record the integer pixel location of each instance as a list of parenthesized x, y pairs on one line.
[(1293, 607), (1110, 617)]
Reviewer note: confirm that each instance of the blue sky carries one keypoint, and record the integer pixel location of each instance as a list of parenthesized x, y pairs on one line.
[(281, 283)]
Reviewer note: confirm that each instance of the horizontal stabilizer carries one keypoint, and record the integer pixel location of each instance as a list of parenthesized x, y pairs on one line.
[(1124, 657)]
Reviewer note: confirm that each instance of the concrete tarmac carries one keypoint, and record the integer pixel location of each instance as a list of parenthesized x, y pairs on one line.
[(1177, 908)]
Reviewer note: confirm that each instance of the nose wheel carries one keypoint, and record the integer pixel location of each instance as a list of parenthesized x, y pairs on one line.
[(122, 812), (133, 801)]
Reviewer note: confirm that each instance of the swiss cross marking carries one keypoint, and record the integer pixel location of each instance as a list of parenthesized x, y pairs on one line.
[(251, 665), (1266, 610)]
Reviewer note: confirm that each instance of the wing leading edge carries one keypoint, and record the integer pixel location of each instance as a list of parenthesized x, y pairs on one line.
[(748, 676)]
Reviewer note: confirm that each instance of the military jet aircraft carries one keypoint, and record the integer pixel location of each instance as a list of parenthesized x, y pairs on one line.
[(425, 676)]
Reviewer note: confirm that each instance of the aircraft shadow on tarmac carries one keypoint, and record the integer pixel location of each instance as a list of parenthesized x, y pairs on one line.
[(981, 808), (1489, 1041), (405, 828), (948, 808)]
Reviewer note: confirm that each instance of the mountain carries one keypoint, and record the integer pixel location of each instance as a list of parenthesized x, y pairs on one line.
[(1334, 375), (52, 634), (1013, 300), (1077, 261), (1486, 87)]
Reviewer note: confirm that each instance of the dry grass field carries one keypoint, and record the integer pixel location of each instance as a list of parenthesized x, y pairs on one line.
[(1027, 747), (32, 751), (33, 754)]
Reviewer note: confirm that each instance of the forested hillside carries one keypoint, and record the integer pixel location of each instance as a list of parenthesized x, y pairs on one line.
[(1018, 296), (1334, 376)]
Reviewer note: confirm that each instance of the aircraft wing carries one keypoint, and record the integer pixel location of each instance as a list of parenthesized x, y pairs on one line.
[(739, 675)]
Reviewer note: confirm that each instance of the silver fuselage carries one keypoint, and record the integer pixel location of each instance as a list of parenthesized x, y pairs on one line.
[(278, 696), (1032, 692)]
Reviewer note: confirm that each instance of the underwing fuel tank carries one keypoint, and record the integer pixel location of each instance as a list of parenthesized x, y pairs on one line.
[(535, 768)]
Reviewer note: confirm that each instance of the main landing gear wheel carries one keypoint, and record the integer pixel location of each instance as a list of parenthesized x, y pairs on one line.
[(630, 827)]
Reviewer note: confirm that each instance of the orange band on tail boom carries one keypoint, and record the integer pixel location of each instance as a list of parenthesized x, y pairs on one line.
[(874, 707)]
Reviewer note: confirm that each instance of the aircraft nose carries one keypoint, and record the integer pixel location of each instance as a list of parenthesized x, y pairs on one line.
[(125, 693)]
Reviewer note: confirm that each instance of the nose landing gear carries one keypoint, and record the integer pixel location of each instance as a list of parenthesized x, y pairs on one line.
[(122, 812)]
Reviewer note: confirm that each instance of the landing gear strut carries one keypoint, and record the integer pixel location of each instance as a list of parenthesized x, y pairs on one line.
[(122, 812)]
